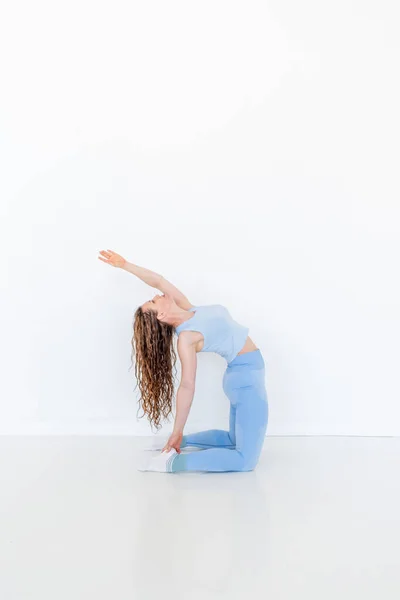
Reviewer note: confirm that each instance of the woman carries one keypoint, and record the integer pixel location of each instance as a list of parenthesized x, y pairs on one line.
[(207, 328)]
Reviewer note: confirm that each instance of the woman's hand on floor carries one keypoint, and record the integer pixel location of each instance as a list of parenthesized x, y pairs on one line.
[(174, 441)]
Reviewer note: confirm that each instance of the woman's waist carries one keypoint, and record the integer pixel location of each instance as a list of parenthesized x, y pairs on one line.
[(252, 359), (248, 346), (245, 370)]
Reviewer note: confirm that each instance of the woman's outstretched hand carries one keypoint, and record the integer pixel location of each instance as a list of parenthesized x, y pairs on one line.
[(112, 258), (174, 441)]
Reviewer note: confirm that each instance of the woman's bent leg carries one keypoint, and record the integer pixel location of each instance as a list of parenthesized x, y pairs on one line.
[(250, 428), (213, 438)]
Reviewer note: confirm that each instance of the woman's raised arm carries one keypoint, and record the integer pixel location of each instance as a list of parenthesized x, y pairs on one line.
[(116, 260), (150, 277)]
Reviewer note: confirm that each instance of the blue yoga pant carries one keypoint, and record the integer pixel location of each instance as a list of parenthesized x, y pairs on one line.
[(239, 448)]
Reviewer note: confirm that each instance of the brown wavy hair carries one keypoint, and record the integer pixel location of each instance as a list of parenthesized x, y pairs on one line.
[(155, 365)]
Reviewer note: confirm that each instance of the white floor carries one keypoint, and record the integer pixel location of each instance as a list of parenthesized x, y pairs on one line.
[(318, 519)]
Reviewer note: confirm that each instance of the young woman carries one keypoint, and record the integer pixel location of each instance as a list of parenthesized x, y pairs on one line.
[(207, 328)]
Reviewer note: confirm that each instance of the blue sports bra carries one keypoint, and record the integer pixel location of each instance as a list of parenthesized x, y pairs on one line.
[(221, 333)]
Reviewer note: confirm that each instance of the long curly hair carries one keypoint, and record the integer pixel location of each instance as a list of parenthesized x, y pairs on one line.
[(155, 365)]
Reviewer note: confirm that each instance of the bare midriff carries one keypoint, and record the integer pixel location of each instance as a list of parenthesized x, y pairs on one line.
[(249, 345)]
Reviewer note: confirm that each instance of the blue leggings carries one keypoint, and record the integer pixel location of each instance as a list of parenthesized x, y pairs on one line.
[(239, 448)]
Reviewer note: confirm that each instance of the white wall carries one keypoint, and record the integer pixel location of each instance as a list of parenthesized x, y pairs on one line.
[(246, 150)]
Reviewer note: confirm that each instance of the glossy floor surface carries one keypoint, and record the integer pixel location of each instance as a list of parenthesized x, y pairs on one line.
[(319, 518)]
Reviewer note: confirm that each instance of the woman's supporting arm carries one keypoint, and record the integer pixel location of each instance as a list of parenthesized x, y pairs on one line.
[(185, 393), (184, 399)]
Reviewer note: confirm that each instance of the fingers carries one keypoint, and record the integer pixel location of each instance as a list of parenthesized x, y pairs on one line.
[(110, 257), (108, 253)]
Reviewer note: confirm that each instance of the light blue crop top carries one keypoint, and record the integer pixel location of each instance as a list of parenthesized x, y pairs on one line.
[(221, 333)]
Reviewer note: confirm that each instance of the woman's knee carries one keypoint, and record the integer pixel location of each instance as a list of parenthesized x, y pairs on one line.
[(248, 462), (232, 437)]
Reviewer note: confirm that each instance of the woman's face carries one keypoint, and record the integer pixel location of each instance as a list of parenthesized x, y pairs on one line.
[(161, 303)]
